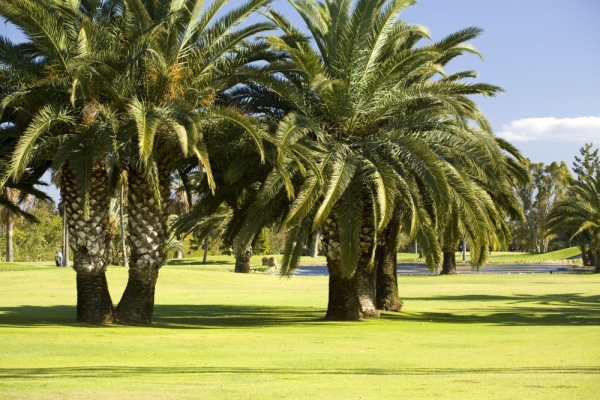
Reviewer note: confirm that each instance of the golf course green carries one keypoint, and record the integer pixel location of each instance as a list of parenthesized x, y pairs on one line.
[(222, 335)]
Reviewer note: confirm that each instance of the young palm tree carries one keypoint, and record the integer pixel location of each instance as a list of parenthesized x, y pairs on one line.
[(580, 211)]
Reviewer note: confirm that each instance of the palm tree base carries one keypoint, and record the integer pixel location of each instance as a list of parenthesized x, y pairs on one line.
[(137, 304), (365, 290), (94, 305), (393, 304), (343, 303), (449, 264)]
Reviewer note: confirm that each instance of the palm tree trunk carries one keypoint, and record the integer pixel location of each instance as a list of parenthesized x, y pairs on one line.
[(597, 262), (585, 259), (122, 224), (148, 232), (591, 258), (343, 301), (386, 260), (87, 237), (449, 263), (366, 274), (242, 260), (205, 250)]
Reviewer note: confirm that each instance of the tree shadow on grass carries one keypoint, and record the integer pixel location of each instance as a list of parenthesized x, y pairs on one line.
[(196, 263), (571, 309), (564, 309), (112, 372), (177, 316)]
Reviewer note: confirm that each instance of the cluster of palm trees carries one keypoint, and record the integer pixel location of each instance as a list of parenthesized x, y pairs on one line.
[(353, 129)]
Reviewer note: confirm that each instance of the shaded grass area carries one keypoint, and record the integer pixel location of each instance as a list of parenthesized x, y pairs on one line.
[(223, 335)]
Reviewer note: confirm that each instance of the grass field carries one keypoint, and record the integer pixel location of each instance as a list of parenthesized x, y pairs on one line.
[(223, 335), (497, 257)]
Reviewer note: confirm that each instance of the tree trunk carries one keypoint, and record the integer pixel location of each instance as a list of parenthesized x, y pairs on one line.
[(242, 260), (88, 239), (315, 245), (122, 225), (148, 232), (205, 250), (10, 226), (366, 273), (343, 301), (597, 262), (386, 260), (365, 281), (178, 253), (65, 239), (449, 263), (591, 258)]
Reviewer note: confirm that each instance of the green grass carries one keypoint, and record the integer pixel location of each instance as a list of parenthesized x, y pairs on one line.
[(223, 335), (533, 257), (223, 262)]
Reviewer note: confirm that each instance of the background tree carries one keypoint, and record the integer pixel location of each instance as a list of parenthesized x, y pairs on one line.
[(548, 185)]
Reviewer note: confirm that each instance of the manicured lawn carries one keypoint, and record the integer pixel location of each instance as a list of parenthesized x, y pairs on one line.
[(223, 335), (224, 262)]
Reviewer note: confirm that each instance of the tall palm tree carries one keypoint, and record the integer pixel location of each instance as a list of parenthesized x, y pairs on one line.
[(58, 102), (191, 54), (350, 95)]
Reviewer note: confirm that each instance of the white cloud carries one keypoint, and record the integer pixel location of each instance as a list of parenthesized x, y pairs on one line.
[(580, 129)]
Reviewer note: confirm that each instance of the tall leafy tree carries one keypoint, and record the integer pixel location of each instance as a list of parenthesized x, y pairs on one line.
[(347, 151), (58, 104), (179, 56)]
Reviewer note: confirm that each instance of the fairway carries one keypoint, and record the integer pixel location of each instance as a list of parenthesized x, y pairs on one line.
[(222, 335)]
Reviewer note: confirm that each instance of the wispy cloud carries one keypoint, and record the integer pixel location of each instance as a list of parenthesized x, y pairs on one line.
[(580, 129)]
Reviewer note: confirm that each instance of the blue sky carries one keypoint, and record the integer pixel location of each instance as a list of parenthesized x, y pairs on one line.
[(545, 54)]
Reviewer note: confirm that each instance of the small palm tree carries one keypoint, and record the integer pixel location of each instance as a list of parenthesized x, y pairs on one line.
[(579, 212)]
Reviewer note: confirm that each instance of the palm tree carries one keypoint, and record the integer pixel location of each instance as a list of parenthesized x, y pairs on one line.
[(190, 55), (348, 151), (57, 101), (579, 211)]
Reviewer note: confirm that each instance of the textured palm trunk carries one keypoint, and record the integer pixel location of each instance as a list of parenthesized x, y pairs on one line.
[(591, 258), (585, 258), (148, 232), (343, 301), (242, 260), (365, 276), (122, 226), (87, 238), (449, 263), (386, 260)]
